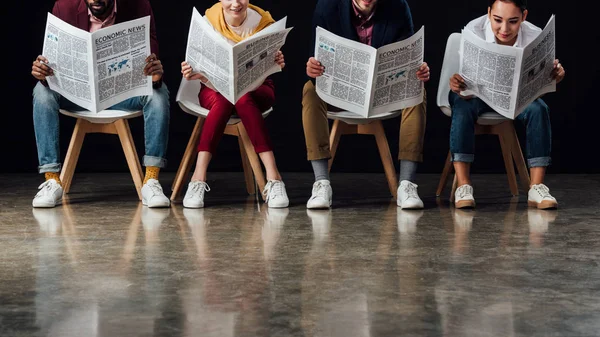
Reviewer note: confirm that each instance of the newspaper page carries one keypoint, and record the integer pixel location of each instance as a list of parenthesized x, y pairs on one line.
[(238, 69), (536, 72), (69, 53), (97, 70), (505, 77), (120, 53), (368, 82)]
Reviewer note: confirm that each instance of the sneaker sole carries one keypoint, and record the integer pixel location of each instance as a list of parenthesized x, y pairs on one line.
[(546, 204), (47, 205), (145, 203), (464, 204), (319, 207)]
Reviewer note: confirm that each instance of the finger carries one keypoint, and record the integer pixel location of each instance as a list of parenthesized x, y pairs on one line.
[(184, 63), (41, 58), (40, 71), (312, 60), (151, 58), (156, 70)]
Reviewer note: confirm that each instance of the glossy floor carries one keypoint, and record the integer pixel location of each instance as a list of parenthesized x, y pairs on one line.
[(103, 265)]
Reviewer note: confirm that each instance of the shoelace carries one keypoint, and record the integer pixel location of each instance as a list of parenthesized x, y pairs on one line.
[(272, 189), (321, 191), (543, 190), (411, 190), (197, 188), (463, 191), (155, 188), (46, 186)]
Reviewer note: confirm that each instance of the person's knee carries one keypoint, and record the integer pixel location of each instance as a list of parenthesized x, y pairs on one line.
[(539, 109), (45, 96), (309, 93), (245, 102)]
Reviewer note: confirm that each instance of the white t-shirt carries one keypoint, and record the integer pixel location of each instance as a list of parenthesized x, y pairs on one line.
[(482, 27), (247, 27)]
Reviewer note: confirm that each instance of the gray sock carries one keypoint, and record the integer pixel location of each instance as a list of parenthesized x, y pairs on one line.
[(408, 170), (321, 169)]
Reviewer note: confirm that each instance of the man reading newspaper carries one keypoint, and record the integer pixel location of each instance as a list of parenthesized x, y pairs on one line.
[(375, 23), (504, 24), (92, 15)]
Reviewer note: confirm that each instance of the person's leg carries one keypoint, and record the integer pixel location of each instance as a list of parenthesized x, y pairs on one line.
[(412, 136), (316, 134), (536, 118), (156, 109), (250, 108)]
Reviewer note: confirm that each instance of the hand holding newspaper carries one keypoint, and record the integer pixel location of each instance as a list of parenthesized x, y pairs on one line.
[(98, 70), (238, 69), (369, 82), (508, 78)]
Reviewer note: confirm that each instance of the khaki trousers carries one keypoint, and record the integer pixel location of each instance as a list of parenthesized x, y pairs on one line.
[(316, 127)]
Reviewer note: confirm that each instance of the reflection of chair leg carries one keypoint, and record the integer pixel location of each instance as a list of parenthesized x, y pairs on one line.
[(448, 168), (252, 157), (187, 161), (132, 234), (376, 128), (70, 163), (133, 161)]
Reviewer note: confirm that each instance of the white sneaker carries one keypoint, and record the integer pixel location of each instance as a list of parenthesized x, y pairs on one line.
[(50, 194), (321, 195), (153, 196), (539, 196), (194, 196), (408, 197), (275, 194), (463, 197)]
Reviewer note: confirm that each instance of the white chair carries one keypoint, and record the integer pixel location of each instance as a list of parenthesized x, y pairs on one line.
[(187, 98), (109, 122), (488, 123), (345, 124)]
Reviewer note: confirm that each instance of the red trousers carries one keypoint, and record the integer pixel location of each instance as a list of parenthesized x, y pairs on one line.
[(249, 108)]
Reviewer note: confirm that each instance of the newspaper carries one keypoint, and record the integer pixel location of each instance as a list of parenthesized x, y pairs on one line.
[(238, 69), (369, 82), (508, 78), (98, 70)]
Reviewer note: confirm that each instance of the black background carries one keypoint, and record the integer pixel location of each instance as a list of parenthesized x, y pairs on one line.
[(574, 113)]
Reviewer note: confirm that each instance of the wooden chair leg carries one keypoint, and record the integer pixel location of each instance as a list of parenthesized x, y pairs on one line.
[(454, 187), (131, 155), (386, 156), (334, 139), (506, 145), (517, 155), (248, 176), (448, 168), (252, 157), (187, 161), (66, 175)]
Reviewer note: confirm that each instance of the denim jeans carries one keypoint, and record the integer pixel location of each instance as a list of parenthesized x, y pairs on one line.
[(535, 117), (47, 102)]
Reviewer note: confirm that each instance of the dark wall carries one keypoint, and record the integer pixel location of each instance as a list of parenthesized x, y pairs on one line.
[(573, 110)]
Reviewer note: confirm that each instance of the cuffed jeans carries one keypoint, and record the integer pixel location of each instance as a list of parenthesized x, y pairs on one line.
[(47, 102), (535, 117), (316, 127)]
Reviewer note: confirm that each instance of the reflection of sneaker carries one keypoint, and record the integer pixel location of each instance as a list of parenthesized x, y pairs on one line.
[(539, 196), (153, 196), (408, 197), (321, 222), (539, 219), (49, 220), (407, 220), (194, 217), (153, 218), (274, 221), (463, 197), (275, 217), (50, 194), (321, 195), (194, 196), (463, 220), (275, 194)]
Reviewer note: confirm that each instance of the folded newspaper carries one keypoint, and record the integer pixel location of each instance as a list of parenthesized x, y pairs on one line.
[(508, 78), (98, 70), (369, 82), (238, 69)]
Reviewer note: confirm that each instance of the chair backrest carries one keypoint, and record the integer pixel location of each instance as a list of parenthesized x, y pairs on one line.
[(450, 67)]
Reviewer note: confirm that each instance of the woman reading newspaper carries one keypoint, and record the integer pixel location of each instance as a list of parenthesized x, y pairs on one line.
[(235, 20), (505, 25)]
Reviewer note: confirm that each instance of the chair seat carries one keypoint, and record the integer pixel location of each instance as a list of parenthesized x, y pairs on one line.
[(354, 119), (102, 117), (487, 118), (197, 110)]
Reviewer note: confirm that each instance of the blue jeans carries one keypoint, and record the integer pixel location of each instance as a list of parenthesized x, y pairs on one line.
[(535, 117), (47, 102)]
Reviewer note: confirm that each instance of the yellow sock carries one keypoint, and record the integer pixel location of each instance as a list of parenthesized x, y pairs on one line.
[(53, 175), (151, 173)]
